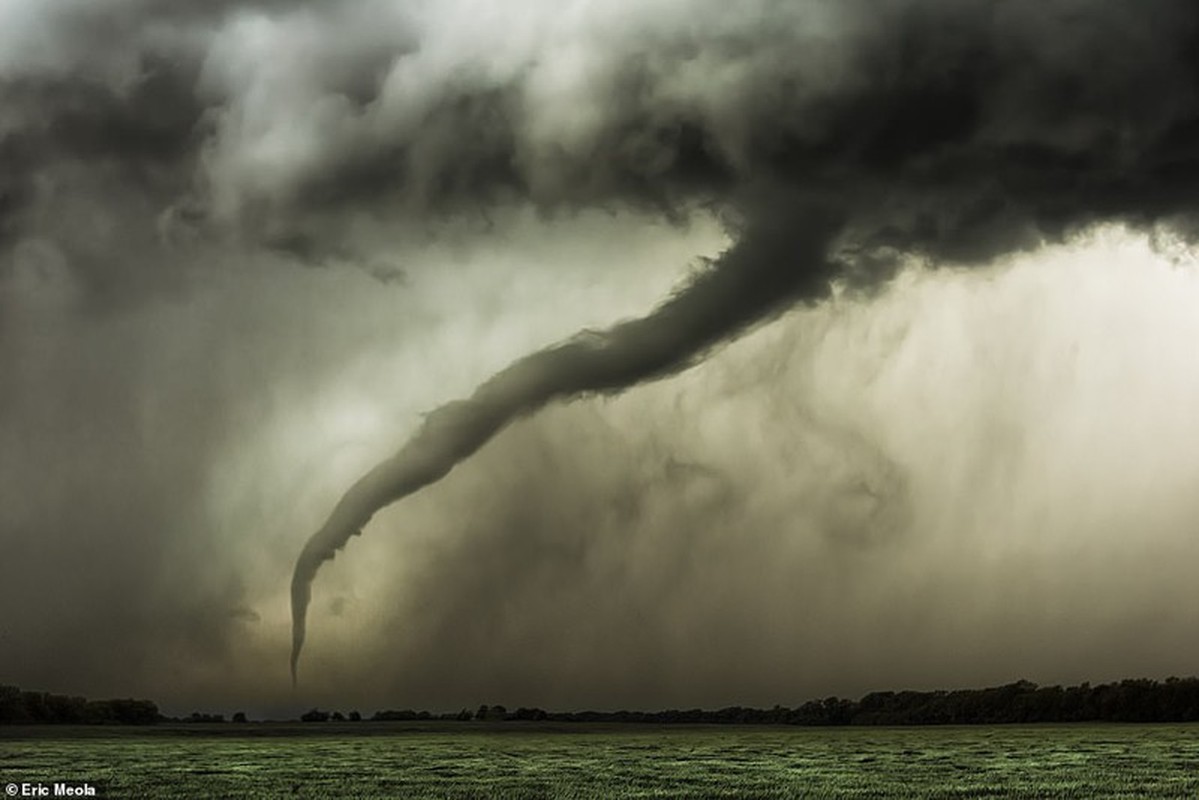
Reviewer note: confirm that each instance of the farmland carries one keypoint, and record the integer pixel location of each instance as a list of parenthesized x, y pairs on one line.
[(446, 760)]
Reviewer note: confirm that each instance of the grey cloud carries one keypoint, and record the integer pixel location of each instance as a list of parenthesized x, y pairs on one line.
[(157, 155), (959, 129)]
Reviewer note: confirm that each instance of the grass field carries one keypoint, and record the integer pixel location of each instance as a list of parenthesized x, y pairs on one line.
[(512, 760)]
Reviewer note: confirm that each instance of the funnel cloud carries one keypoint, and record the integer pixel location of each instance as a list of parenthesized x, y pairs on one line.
[(747, 283), (927, 131)]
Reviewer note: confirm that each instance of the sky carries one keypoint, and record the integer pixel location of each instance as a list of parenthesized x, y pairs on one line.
[(668, 353)]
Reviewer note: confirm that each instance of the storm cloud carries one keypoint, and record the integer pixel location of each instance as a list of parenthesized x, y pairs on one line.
[(246, 246)]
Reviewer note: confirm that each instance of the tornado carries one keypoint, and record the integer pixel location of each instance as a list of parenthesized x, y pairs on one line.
[(776, 262), (842, 138)]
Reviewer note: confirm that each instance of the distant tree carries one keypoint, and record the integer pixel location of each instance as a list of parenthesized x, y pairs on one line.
[(138, 712), (74, 710), (482, 712), (315, 715), (355, 716), (465, 715), (405, 715), (240, 716), (528, 714), (338, 717)]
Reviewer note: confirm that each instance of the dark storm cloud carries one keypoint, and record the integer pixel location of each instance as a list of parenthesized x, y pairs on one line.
[(146, 145), (91, 166), (961, 130)]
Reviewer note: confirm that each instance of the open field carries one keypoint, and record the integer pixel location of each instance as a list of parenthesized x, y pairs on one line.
[(516, 760)]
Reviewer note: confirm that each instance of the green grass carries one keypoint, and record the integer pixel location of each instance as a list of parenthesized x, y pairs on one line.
[(576, 761)]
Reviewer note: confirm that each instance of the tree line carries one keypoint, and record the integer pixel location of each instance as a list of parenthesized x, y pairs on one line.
[(18, 707), (1133, 700)]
